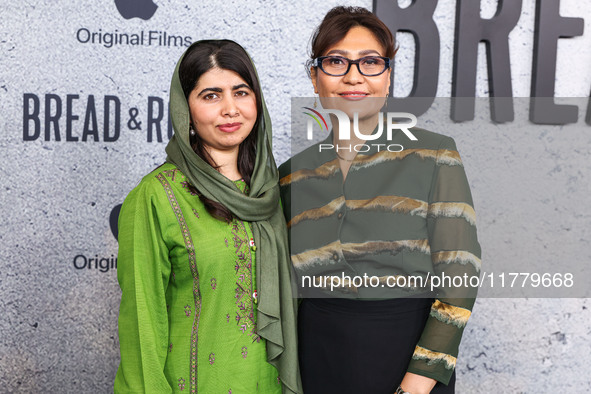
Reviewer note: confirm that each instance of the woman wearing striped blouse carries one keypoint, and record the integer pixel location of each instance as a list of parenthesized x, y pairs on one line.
[(380, 225)]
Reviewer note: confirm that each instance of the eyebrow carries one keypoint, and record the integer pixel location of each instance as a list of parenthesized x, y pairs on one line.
[(365, 52), (241, 86), (219, 90)]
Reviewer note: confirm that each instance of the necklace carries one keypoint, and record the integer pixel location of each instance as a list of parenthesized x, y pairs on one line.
[(342, 158)]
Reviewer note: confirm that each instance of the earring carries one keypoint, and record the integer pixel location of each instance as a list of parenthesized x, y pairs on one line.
[(315, 102), (191, 131)]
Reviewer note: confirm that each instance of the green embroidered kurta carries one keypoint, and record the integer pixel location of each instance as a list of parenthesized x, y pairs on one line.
[(398, 214), (187, 321)]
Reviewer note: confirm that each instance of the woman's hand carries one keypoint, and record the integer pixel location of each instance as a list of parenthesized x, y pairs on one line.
[(417, 384)]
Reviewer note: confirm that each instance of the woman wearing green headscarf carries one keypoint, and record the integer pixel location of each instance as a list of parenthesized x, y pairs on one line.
[(199, 313)]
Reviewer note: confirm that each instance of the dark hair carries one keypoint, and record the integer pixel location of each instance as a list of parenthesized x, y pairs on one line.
[(337, 23), (227, 55)]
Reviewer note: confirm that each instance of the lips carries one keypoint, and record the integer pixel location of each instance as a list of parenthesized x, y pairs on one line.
[(354, 95), (229, 127)]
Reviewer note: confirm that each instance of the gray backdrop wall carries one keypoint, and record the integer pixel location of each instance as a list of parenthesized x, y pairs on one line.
[(62, 71)]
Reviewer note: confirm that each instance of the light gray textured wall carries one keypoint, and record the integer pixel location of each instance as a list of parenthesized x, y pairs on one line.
[(58, 323)]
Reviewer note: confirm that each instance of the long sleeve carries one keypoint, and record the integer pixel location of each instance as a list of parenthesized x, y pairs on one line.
[(143, 272), (455, 252)]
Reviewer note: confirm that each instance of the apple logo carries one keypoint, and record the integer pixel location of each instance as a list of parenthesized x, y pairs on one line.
[(143, 9), (114, 219)]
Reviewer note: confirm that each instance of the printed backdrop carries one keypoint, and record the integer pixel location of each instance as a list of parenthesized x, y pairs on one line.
[(84, 99)]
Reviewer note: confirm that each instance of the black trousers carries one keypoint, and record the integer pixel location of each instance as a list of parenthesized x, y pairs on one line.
[(360, 347)]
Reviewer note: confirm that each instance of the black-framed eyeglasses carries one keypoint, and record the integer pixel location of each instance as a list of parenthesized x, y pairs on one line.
[(370, 66)]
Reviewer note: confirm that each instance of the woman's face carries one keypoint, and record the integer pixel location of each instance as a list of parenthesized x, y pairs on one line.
[(223, 109), (352, 89)]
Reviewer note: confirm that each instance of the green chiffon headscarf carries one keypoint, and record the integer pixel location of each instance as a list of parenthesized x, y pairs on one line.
[(276, 320)]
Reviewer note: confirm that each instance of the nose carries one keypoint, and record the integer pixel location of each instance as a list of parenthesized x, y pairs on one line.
[(353, 77), (230, 107)]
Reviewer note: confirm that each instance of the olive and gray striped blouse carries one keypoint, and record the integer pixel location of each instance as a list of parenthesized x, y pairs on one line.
[(401, 224)]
